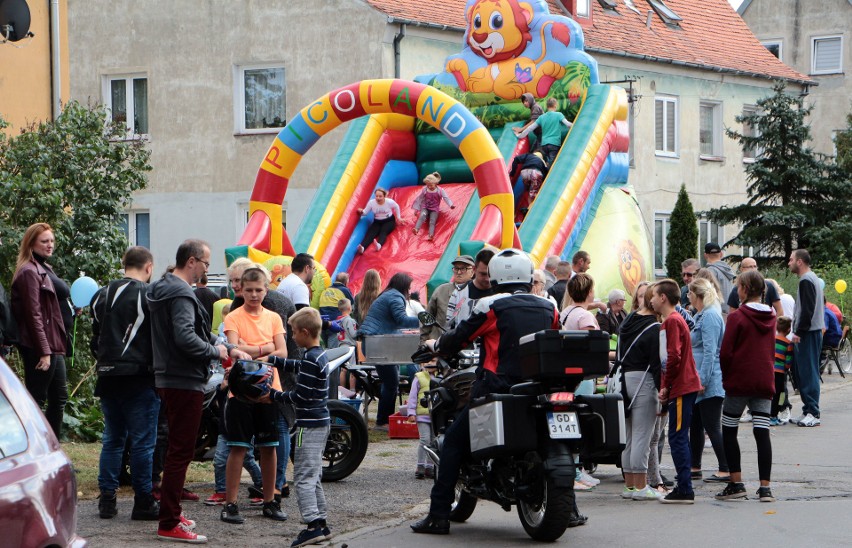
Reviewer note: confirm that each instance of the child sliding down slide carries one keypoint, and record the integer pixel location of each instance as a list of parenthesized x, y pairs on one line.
[(428, 203)]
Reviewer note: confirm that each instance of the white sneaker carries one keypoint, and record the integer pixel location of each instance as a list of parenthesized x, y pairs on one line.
[(580, 486), (809, 421), (360, 249), (378, 245), (784, 416), (628, 493), (798, 419), (586, 478), (746, 417), (646, 494)]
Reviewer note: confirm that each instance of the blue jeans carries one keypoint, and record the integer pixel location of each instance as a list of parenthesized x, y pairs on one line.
[(807, 352), (283, 452), (134, 418), (389, 375), (680, 419), (220, 459)]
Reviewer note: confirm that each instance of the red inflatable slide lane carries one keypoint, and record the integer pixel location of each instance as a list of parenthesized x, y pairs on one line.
[(406, 252)]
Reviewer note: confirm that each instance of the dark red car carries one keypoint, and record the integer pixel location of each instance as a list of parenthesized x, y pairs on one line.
[(38, 490)]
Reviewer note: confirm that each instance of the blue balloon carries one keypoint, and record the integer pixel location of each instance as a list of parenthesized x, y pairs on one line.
[(82, 291)]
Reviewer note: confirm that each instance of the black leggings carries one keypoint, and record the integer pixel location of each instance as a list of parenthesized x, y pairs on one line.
[(49, 386), (379, 231), (707, 417)]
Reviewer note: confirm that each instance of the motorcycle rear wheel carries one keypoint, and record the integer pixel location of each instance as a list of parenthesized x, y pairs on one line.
[(547, 520), (463, 505)]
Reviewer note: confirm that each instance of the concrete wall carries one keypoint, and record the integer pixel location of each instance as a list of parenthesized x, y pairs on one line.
[(203, 172), (795, 23), (25, 70)]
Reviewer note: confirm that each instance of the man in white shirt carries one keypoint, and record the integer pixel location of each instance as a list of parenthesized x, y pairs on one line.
[(296, 285)]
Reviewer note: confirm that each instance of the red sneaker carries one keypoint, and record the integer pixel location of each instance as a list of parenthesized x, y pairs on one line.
[(215, 499), (186, 494), (181, 534), (188, 524)]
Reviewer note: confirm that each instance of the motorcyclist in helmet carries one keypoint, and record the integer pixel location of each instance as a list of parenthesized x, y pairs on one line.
[(500, 320)]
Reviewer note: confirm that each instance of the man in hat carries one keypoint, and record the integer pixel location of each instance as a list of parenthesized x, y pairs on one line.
[(440, 298), (463, 299), (722, 271)]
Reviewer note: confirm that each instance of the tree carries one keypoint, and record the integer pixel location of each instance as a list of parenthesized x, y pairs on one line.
[(683, 234), (78, 175), (795, 196), (843, 142)]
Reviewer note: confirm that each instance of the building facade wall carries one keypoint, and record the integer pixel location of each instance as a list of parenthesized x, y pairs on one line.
[(795, 24), (25, 70), (203, 171)]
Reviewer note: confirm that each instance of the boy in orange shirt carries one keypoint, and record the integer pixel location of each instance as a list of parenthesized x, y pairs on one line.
[(258, 332)]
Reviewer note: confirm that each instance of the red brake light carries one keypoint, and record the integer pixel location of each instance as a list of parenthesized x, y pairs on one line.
[(561, 397)]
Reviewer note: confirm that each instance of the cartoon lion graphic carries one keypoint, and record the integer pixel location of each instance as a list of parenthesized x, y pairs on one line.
[(631, 265), (499, 31)]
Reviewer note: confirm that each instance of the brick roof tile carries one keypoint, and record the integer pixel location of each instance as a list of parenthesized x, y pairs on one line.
[(711, 35)]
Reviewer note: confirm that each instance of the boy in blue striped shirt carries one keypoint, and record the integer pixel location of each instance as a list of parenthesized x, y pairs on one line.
[(310, 397)]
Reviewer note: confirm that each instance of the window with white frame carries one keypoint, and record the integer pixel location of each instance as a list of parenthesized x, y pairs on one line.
[(661, 236), (710, 130), (666, 123), (126, 97), (583, 8), (137, 227), (750, 153), (827, 54), (260, 98), (775, 47), (243, 215)]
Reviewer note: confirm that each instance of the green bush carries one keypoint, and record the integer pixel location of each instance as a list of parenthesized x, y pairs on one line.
[(829, 272)]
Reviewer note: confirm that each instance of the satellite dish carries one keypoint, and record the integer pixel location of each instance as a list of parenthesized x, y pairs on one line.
[(14, 20)]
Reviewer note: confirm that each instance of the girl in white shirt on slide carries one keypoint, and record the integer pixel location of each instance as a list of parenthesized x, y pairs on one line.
[(385, 216)]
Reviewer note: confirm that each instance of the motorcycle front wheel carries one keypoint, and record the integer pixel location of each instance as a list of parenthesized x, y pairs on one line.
[(547, 518)]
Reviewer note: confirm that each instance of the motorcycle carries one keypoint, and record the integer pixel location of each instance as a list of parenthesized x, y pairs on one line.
[(523, 444), (347, 441)]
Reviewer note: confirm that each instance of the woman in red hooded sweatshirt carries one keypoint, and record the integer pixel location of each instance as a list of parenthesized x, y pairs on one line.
[(746, 358)]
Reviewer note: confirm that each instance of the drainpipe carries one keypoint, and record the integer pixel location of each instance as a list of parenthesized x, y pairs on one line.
[(55, 59), (396, 40)]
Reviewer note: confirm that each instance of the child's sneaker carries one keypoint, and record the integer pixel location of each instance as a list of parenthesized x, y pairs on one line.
[(628, 493), (420, 472), (360, 250), (216, 499), (676, 497), (732, 491), (647, 493), (231, 514), (784, 416), (326, 530), (272, 510), (773, 421), (309, 536), (765, 494), (378, 248), (586, 478), (181, 534)]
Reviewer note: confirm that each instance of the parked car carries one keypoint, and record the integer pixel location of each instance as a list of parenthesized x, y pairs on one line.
[(38, 489)]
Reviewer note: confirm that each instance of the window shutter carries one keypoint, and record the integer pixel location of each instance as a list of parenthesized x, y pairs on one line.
[(827, 54), (658, 120), (670, 126)]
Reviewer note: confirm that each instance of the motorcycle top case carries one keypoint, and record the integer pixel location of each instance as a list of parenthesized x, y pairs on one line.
[(553, 354), (390, 348), (502, 425)]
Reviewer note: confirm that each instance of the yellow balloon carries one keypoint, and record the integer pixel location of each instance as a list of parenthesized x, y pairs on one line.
[(840, 286)]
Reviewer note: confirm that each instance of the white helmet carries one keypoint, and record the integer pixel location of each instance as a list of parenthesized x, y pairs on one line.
[(510, 266)]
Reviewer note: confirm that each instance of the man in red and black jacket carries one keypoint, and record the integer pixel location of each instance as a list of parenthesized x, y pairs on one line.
[(499, 321)]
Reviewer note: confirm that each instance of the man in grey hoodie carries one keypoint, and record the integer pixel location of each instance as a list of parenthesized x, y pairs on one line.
[(722, 271), (180, 332)]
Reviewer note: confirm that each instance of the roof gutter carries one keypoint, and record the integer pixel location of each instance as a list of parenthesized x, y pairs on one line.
[(409, 22), (700, 66)]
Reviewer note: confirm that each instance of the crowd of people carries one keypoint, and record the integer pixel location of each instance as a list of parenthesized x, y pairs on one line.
[(702, 358)]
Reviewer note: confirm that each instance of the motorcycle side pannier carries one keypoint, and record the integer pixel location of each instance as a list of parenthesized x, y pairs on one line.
[(553, 354), (602, 423), (502, 424)]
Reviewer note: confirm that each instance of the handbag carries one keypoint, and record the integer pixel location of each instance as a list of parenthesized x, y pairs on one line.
[(616, 384)]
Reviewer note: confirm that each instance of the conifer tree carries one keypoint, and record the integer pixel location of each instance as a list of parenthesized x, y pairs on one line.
[(683, 234)]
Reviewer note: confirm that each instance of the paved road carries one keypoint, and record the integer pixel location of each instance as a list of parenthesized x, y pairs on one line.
[(812, 480)]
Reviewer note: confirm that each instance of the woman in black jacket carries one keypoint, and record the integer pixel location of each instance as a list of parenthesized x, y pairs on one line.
[(38, 299), (639, 355)]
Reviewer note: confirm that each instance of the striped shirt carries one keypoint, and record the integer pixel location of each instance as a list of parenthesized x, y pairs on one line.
[(310, 396), (783, 354)]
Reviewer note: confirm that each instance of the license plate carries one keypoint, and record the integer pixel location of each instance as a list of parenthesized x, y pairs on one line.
[(563, 426)]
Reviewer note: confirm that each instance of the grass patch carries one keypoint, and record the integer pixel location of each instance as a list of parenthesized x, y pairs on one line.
[(86, 458), (386, 454)]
